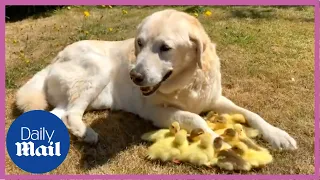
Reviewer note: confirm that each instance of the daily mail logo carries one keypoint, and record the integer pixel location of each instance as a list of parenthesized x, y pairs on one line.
[(28, 148), (38, 137)]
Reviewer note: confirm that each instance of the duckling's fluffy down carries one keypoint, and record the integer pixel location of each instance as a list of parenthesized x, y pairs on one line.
[(165, 148)]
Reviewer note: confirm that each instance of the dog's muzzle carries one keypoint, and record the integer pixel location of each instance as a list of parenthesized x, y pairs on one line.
[(148, 90)]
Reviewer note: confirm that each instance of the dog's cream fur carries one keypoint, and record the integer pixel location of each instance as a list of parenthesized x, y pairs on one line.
[(92, 75)]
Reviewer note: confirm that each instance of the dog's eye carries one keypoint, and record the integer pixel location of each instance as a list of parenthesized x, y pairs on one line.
[(139, 42), (165, 47)]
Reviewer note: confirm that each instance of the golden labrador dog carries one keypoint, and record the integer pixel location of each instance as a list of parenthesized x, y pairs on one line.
[(169, 72)]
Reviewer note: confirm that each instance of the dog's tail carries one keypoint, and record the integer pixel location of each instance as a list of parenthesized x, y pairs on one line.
[(31, 96)]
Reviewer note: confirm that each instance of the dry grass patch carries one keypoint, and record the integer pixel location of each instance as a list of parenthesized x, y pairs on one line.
[(267, 65)]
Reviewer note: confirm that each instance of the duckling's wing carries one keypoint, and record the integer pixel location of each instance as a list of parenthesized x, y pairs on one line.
[(155, 135), (209, 152), (155, 151), (251, 144), (225, 165), (154, 154), (198, 158), (211, 125), (253, 158), (163, 150), (228, 159), (220, 131), (183, 147), (210, 115), (250, 132), (228, 117), (238, 118), (188, 151), (264, 157)]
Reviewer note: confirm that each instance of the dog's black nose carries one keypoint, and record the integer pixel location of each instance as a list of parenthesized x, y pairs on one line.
[(136, 77)]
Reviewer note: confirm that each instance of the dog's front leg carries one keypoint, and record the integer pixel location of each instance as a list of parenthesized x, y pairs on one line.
[(163, 117), (275, 136)]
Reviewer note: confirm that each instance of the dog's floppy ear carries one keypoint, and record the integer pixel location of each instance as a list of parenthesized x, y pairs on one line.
[(198, 36)]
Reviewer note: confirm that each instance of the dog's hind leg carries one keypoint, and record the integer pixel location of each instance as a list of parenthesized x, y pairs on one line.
[(77, 85), (277, 137), (59, 111), (81, 95)]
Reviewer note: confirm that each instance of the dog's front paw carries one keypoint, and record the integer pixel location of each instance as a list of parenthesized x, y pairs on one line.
[(279, 139), (91, 137)]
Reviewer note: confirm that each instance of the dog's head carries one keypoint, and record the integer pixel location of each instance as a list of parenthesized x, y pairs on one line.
[(167, 42)]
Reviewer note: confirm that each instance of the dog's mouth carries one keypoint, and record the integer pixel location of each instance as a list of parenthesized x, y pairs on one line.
[(148, 90)]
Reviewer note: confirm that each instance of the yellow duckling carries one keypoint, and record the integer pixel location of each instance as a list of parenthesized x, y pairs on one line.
[(154, 136), (234, 118), (245, 139), (170, 148), (250, 132), (195, 135), (227, 158), (238, 118), (211, 114), (221, 131), (200, 152), (210, 124), (220, 122), (231, 136), (180, 140), (255, 158), (219, 145)]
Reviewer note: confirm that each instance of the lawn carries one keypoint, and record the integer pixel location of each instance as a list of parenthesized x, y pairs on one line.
[(267, 62)]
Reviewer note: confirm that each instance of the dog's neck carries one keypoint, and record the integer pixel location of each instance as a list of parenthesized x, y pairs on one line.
[(191, 77), (179, 80)]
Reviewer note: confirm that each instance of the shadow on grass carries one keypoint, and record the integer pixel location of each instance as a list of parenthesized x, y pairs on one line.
[(18, 13), (265, 13), (252, 13), (300, 19), (117, 132), (299, 8), (15, 111)]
